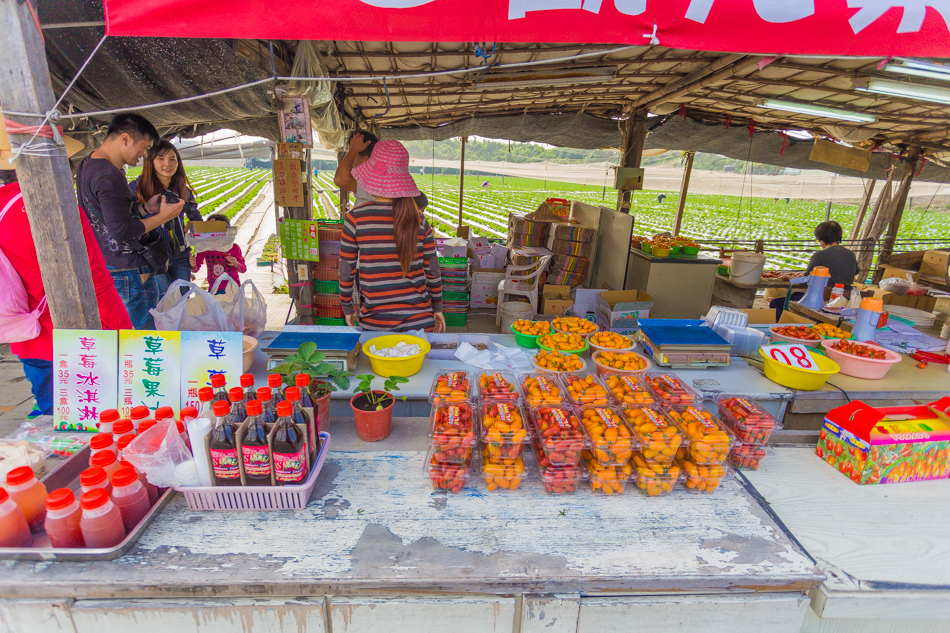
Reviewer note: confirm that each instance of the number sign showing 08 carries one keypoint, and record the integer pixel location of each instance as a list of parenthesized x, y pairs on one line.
[(797, 356)]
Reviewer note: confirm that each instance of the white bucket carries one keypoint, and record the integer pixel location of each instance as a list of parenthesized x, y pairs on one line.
[(746, 268), (511, 311)]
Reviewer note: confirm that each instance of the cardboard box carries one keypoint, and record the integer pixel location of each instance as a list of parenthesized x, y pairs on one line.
[(556, 299), (900, 273), (935, 264), (585, 302), (499, 255), (483, 295), (526, 255), (479, 246), (623, 308), (887, 445)]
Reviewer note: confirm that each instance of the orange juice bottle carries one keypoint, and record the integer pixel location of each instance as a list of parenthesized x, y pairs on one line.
[(101, 522), (28, 493), (14, 530), (107, 461), (94, 477), (101, 442), (62, 519)]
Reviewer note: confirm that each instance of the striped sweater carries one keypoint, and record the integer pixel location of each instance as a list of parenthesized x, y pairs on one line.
[(388, 300)]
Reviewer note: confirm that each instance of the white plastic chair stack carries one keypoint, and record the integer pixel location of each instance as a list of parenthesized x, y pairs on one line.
[(518, 281)]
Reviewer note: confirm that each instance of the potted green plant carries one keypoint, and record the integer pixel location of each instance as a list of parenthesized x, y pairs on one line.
[(373, 410), (308, 360)]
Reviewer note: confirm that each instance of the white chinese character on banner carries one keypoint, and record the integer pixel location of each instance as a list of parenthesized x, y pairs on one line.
[(912, 19), (768, 10), (518, 8)]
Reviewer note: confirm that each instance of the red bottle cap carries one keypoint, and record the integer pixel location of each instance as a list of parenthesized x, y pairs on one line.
[(236, 394), (140, 413), (60, 499), (181, 426), (92, 476), (162, 413), (21, 475), (95, 498), (206, 394), (284, 409), (109, 415), (102, 459), (221, 408), (145, 425), (264, 394), (247, 380), (4, 495), (100, 441), (302, 380), (124, 441), (188, 412), (218, 381), (293, 394), (124, 477), (274, 381), (123, 426), (254, 407)]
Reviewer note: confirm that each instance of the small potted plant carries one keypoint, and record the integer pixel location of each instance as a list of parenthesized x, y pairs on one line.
[(373, 410), (309, 361)]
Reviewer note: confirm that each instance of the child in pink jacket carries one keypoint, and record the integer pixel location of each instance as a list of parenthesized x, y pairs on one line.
[(218, 262)]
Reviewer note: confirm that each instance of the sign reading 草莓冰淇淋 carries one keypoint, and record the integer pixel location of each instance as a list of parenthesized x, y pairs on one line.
[(206, 354), (85, 374), (149, 369)]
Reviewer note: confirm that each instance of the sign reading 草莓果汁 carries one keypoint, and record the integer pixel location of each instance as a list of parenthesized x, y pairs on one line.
[(149, 369), (84, 375), (207, 354)]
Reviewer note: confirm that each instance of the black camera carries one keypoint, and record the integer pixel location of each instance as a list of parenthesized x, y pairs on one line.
[(191, 207)]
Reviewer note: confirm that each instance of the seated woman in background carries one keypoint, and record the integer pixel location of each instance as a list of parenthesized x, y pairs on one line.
[(841, 263)]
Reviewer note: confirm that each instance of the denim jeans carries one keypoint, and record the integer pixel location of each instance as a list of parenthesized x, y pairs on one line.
[(40, 374), (177, 269), (138, 298)]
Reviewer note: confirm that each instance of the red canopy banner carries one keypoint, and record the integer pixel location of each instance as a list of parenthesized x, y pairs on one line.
[(916, 28)]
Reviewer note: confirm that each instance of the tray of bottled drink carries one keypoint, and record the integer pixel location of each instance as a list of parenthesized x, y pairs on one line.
[(68, 476), (237, 498)]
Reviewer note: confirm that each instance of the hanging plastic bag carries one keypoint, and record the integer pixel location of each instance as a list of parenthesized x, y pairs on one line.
[(196, 310), (162, 455), (245, 314)]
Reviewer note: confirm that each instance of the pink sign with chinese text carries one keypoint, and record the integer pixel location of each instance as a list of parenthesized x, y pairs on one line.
[(84, 377)]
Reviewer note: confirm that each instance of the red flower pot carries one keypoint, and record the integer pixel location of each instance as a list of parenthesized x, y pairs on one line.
[(373, 425)]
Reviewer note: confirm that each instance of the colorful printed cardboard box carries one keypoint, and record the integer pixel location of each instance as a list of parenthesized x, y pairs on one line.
[(887, 445)]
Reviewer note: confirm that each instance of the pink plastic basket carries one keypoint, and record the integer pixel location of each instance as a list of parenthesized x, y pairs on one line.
[(223, 498), (867, 368)]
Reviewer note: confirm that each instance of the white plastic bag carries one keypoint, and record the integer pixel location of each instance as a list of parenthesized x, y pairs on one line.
[(196, 310), (246, 314), (163, 456)]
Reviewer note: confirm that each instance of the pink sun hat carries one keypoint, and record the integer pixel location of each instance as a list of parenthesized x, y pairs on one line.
[(386, 173)]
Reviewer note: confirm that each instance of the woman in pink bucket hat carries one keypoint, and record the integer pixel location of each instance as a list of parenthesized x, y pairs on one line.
[(392, 244)]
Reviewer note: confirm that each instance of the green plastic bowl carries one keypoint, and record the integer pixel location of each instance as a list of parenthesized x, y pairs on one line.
[(525, 340), (647, 248), (576, 352), (675, 249), (690, 250)]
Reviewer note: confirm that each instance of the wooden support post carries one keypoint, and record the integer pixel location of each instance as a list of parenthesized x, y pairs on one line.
[(684, 188), (635, 133), (865, 203), (897, 212), (458, 230), (46, 180), (344, 194)]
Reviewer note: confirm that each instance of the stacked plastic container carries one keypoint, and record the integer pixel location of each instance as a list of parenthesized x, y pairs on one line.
[(453, 431), (752, 426), (326, 275), (733, 325), (455, 290), (505, 433), (659, 440)]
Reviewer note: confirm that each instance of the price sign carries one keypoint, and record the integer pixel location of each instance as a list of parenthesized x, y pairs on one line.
[(793, 355)]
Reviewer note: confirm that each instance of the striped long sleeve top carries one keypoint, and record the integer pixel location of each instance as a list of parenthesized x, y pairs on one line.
[(388, 300)]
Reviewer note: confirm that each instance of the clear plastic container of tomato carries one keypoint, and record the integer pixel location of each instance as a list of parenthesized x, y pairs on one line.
[(610, 438), (452, 433), (503, 428), (703, 478), (747, 456), (657, 436), (558, 480), (708, 439), (583, 388), (669, 390), (606, 479), (749, 420), (557, 430), (628, 390), (542, 388), (653, 478), (504, 477), (498, 386), (451, 386), (447, 477)]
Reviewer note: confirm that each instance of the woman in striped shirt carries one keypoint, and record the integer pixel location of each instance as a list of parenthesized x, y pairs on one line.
[(392, 245)]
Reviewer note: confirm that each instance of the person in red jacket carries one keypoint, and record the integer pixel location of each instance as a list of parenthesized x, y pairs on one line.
[(16, 242)]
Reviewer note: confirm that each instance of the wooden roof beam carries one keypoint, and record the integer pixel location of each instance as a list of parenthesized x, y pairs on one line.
[(723, 67)]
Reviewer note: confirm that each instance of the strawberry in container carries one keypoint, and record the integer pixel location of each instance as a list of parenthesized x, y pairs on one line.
[(502, 476), (585, 389), (448, 477), (652, 478), (452, 433), (611, 441), (656, 434), (557, 480), (450, 387), (558, 432), (541, 389), (750, 422), (699, 478), (747, 456), (709, 439), (604, 479), (503, 430), (498, 386), (670, 391), (628, 390)]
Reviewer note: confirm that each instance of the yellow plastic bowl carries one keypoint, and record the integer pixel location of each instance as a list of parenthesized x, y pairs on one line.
[(795, 378), (387, 367)]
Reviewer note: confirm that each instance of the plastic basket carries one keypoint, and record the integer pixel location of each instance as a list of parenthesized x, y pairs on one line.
[(221, 498), (327, 321), (454, 296), (329, 248), (457, 319), (454, 262), (326, 301), (326, 287), (327, 269), (329, 233), (328, 312)]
